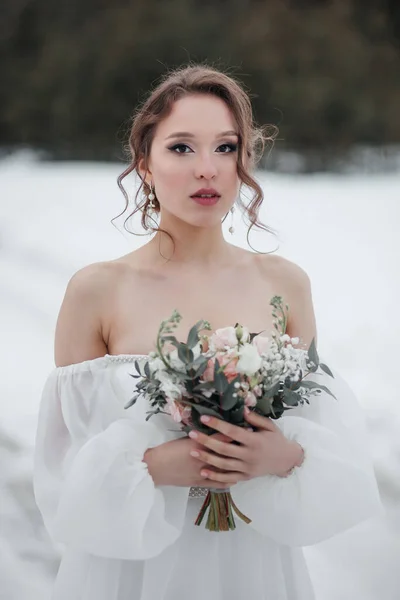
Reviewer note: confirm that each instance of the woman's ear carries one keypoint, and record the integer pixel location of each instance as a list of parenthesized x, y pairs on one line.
[(144, 172)]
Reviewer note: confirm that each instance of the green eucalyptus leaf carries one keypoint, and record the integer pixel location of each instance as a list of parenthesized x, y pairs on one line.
[(326, 369), (193, 335), (198, 425), (147, 370), (199, 390), (272, 391), (221, 383), (277, 413), (253, 335), (184, 353), (290, 398), (294, 386), (154, 412), (311, 385), (264, 405), (205, 410), (199, 407), (220, 380), (172, 339), (312, 353), (217, 367), (200, 370), (228, 401), (199, 361), (131, 402), (236, 415), (204, 400)]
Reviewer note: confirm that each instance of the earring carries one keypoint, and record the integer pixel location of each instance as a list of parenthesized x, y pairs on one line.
[(151, 197), (231, 228)]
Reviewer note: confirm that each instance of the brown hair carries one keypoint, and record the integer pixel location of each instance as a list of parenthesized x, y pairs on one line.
[(198, 79)]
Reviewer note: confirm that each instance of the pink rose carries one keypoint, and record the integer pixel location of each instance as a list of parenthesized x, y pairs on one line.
[(186, 414), (173, 409), (228, 362), (262, 343), (223, 337), (179, 412)]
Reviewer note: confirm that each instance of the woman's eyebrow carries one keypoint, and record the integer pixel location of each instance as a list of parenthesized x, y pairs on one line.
[(187, 134)]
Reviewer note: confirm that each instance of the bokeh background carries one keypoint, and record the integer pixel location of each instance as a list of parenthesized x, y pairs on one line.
[(327, 73)]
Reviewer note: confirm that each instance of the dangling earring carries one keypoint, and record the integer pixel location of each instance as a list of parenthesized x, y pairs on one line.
[(151, 206), (231, 228)]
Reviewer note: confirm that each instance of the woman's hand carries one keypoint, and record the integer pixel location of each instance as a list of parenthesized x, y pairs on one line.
[(171, 464), (262, 452)]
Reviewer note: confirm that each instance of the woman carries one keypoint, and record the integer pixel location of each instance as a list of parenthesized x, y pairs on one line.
[(122, 493)]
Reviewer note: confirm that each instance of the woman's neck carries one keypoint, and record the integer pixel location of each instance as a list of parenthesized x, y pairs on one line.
[(193, 246)]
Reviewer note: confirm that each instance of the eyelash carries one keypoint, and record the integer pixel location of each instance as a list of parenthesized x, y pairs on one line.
[(233, 148)]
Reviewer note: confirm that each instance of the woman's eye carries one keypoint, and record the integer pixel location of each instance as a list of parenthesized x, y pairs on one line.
[(180, 148), (227, 148), (184, 148)]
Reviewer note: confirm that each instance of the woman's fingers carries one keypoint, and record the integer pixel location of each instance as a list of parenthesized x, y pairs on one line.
[(229, 477), (239, 434), (221, 437), (213, 443), (259, 421), (221, 462)]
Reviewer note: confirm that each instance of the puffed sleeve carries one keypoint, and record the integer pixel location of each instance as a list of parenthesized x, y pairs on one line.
[(335, 487), (90, 482)]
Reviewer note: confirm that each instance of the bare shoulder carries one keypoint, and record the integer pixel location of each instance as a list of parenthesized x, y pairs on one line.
[(294, 284), (91, 278), (284, 271), (79, 334)]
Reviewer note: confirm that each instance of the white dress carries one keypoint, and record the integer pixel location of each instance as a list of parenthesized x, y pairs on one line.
[(123, 538)]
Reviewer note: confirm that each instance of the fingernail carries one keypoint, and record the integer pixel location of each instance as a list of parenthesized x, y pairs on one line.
[(193, 435), (205, 419), (246, 410), (194, 453), (204, 473)]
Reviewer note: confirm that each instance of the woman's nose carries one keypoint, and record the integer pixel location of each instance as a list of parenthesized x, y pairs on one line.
[(205, 167)]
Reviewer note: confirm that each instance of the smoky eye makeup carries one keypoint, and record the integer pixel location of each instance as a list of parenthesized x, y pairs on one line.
[(231, 147), (181, 148)]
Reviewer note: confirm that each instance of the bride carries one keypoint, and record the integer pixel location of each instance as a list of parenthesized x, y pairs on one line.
[(120, 493)]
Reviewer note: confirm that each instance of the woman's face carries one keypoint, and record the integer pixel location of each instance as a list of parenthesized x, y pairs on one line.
[(194, 156)]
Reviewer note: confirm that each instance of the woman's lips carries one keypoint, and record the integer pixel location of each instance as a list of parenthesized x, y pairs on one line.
[(206, 201)]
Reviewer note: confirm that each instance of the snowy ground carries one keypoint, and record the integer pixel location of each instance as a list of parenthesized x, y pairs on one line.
[(55, 218)]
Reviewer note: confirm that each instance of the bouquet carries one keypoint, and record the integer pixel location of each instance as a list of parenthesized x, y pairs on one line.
[(220, 374)]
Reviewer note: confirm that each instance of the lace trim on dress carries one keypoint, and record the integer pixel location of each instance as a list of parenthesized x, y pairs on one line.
[(124, 357)]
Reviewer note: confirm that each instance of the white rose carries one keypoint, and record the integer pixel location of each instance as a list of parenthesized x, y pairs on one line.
[(249, 360)]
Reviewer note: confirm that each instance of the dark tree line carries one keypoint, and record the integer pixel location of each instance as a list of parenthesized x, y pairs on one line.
[(327, 72)]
